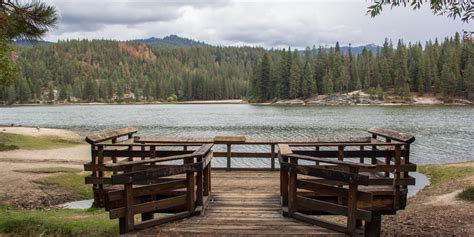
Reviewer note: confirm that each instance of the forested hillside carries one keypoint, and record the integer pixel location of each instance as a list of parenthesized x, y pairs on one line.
[(113, 71), (102, 70), (444, 69)]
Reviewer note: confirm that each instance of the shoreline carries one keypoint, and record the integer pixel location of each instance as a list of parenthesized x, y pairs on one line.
[(225, 102), (425, 213)]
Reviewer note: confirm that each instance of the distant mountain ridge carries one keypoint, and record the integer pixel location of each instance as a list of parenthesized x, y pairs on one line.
[(177, 41), (358, 49), (24, 42), (170, 40)]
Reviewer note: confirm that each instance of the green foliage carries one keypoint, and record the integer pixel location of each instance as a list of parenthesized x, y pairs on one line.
[(12, 141), (356, 97), (467, 194), (454, 9), (172, 98), (379, 93), (88, 222), (442, 173), (72, 183), (407, 69), (406, 92), (20, 19), (110, 71), (8, 69)]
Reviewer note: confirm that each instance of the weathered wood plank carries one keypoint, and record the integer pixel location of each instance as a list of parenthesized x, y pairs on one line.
[(336, 209), (108, 135), (397, 136), (149, 206)]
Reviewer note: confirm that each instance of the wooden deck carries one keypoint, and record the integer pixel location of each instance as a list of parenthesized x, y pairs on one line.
[(153, 187), (244, 203)]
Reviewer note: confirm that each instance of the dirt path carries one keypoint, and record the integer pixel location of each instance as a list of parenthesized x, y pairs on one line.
[(435, 211), (36, 132)]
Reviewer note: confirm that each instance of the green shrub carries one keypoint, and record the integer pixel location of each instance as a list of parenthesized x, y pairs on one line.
[(467, 194)]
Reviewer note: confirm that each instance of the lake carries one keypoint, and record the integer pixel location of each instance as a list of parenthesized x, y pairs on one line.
[(443, 133)]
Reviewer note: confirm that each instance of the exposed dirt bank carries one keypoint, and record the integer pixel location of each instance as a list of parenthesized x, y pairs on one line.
[(435, 211), (21, 189), (362, 98)]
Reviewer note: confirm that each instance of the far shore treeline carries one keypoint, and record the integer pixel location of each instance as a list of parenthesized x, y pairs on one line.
[(112, 71)]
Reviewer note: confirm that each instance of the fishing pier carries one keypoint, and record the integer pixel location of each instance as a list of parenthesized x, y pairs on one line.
[(319, 187)]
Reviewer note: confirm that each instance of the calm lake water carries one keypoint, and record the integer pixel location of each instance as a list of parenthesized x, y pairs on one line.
[(443, 133)]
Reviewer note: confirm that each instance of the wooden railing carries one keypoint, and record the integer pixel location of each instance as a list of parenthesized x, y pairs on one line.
[(359, 178), (130, 179), (328, 181), (230, 142), (164, 197)]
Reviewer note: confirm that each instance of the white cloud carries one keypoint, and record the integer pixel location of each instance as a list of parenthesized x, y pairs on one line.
[(263, 23)]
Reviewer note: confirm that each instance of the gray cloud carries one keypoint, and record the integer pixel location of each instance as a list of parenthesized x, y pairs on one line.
[(262, 22)]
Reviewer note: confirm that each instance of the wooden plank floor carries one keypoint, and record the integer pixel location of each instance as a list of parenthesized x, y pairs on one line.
[(244, 203)]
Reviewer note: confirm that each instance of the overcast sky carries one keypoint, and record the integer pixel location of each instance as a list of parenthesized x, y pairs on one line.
[(258, 23)]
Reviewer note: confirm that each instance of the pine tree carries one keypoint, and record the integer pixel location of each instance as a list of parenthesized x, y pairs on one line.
[(295, 79), (400, 67), (265, 80), (469, 79), (328, 83), (307, 85), (421, 73)]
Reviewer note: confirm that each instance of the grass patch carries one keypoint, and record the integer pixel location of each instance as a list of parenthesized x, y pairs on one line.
[(4, 147), (49, 170), (442, 173), (467, 194), (63, 222), (73, 183), (10, 141)]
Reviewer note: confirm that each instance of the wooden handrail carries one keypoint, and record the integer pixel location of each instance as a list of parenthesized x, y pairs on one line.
[(394, 135), (332, 161), (204, 149), (108, 135)]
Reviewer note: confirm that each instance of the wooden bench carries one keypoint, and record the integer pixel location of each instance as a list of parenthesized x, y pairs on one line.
[(360, 180)]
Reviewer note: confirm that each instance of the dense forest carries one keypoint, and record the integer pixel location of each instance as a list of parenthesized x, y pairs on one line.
[(114, 71), (442, 69)]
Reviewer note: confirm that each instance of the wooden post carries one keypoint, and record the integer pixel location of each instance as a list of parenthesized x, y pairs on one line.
[(94, 174), (272, 156), (143, 149), (130, 221), (352, 206), (114, 158), (396, 175), (340, 156), (199, 181), (100, 161), (284, 184), (207, 175), (228, 156), (387, 159), (361, 157), (130, 148), (293, 182), (190, 189), (406, 161), (374, 148), (152, 152), (317, 162), (372, 227)]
